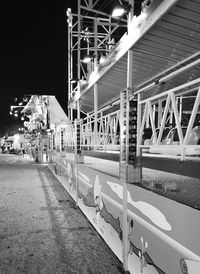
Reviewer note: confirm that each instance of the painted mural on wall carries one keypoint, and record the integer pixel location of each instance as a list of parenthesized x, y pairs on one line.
[(152, 231)]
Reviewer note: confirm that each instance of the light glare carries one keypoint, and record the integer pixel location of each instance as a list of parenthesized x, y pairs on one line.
[(86, 59), (118, 12)]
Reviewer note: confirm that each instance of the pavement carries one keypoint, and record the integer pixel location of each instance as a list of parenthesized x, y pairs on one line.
[(41, 229)]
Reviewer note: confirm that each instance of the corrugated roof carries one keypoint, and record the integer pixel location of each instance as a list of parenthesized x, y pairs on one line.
[(159, 52)]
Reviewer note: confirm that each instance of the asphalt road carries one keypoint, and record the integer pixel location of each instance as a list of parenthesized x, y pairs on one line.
[(41, 230)]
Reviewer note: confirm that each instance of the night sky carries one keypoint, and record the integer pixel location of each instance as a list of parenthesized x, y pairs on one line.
[(33, 52)]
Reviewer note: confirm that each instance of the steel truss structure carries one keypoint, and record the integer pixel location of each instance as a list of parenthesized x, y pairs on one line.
[(90, 33), (151, 58)]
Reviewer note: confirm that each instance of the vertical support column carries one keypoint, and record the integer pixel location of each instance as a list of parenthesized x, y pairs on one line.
[(78, 154), (78, 109), (77, 147), (95, 88), (69, 64), (171, 114), (53, 139), (70, 61), (180, 108), (159, 112), (78, 102), (71, 71), (95, 43), (154, 115), (139, 119), (124, 150), (124, 136), (95, 115), (88, 133), (129, 69), (79, 57), (60, 140), (109, 30)]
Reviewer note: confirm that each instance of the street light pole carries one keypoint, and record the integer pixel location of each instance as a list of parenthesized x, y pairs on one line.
[(69, 21), (125, 186), (79, 57)]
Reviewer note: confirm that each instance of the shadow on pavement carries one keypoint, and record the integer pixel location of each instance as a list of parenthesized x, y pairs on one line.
[(80, 247)]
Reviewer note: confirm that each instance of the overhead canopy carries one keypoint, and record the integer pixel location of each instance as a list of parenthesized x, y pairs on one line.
[(57, 116), (166, 54)]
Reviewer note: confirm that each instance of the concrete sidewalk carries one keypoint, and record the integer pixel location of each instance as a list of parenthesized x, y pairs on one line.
[(41, 230)]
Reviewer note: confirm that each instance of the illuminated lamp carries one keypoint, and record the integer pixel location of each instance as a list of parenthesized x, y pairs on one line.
[(69, 15), (124, 9), (118, 12), (87, 59), (102, 59), (74, 80), (68, 12)]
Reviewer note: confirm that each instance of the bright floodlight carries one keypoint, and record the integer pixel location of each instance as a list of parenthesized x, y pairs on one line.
[(87, 59), (69, 11), (73, 81), (118, 12), (102, 59)]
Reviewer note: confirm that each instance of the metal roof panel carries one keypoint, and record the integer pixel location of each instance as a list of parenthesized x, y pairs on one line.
[(174, 37)]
